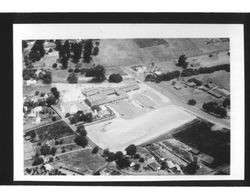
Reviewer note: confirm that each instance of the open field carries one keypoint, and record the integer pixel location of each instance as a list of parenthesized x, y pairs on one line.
[(30, 90), (82, 160), (127, 110), (186, 93), (211, 47), (120, 133), (221, 78), (124, 52), (143, 43)]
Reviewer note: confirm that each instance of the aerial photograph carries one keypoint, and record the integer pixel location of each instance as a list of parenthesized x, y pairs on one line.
[(144, 106)]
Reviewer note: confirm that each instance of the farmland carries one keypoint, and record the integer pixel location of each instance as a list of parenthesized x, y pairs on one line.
[(82, 161)]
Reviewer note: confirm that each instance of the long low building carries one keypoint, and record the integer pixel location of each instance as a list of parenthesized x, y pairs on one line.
[(99, 96)]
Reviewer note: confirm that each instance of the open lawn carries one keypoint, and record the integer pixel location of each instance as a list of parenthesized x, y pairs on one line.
[(221, 78), (82, 161), (127, 110), (30, 90), (210, 47), (143, 43), (124, 52), (121, 133)]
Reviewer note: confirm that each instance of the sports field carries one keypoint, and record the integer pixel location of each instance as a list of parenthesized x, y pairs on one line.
[(121, 133)]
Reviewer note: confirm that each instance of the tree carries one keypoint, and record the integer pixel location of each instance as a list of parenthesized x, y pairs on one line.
[(54, 65), (118, 155), (67, 49), (226, 102), (87, 51), (99, 73), (191, 102), (81, 130), (115, 78), (191, 168), (95, 150), (131, 150), (37, 50), (55, 92), (47, 78), (77, 50), (24, 44), (182, 62), (53, 151), (88, 117), (123, 162), (137, 166), (58, 44), (64, 62), (137, 156), (53, 118), (37, 160), (95, 51), (51, 100), (45, 149), (67, 115), (141, 160), (163, 165), (81, 141), (72, 78)]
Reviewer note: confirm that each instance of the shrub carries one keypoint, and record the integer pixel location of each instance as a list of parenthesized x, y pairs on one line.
[(47, 78), (72, 78), (95, 150), (137, 156), (45, 149), (54, 118), (115, 78), (37, 93), (77, 70), (67, 115), (26, 77), (54, 65), (131, 150), (37, 160), (81, 141), (191, 102), (141, 160), (182, 62), (70, 70)]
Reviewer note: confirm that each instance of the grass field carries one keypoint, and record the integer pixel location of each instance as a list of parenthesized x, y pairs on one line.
[(124, 52), (30, 90), (82, 160), (143, 43), (221, 78)]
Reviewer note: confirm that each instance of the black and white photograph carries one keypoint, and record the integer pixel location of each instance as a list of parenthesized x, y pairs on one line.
[(112, 101)]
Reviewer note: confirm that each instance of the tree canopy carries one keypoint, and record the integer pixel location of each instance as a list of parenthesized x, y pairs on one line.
[(182, 62), (72, 78), (131, 150), (115, 78)]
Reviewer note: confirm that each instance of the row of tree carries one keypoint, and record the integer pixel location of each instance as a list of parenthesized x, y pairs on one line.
[(186, 73), (213, 107), (80, 116), (121, 160), (84, 47)]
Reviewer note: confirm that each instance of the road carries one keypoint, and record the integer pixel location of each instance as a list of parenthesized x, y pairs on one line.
[(178, 101)]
